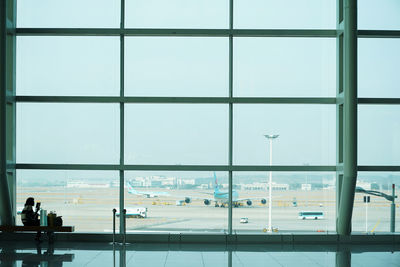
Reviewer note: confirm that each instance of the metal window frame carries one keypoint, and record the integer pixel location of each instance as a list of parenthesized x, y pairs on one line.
[(7, 111), (345, 58)]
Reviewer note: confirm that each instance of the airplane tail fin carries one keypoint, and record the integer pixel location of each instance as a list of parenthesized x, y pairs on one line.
[(131, 190), (216, 187)]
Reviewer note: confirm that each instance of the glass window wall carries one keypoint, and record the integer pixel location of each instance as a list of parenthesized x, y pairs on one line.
[(378, 62), (80, 197), (301, 201), (67, 133), (290, 67), (285, 14), (378, 135), (176, 134), (375, 216), (191, 14), (176, 201), (168, 92), (68, 13), (68, 66), (176, 66), (306, 134)]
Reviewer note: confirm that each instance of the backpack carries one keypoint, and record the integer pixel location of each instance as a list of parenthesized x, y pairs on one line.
[(58, 221)]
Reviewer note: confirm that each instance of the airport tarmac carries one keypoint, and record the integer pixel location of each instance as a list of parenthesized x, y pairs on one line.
[(90, 210)]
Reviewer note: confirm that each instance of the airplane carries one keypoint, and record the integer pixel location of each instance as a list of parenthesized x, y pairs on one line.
[(221, 198), (147, 194)]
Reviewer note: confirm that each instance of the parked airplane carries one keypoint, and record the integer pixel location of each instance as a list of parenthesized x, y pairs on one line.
[(147, 194), (221, 198)]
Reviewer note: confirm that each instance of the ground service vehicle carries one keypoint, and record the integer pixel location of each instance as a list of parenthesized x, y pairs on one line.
[(311, 215)]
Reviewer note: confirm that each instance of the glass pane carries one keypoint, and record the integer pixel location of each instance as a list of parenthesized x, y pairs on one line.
[(378, 65), (10, 131), (285, 14), (174, 201), (208, 14), (68, 14), (179, 66), (379, 15), (306, 134), (78, 66), (80, 197), (375, 216), (301, 202), (68, 133), (176, 134), (378, 135), (284, 67)]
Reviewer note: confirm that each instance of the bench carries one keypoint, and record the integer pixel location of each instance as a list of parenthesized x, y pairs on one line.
[(50, 230)]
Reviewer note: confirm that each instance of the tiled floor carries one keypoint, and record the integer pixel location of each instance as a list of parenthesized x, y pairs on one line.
[(98, 254)]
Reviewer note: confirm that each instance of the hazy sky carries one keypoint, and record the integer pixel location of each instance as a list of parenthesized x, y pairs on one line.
[(198, 66)]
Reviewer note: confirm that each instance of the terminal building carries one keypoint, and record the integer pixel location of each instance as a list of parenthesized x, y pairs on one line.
[(210, 133)]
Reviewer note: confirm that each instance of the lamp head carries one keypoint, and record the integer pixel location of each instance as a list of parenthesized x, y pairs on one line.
[(271, 136)]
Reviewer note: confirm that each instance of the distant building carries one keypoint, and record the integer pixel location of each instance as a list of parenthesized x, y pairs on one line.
[(306, 187), (279, 187), (81, 184), (254, 186), (264, 186), (203, 186), (136, 183), (168, 181), (156, 183)]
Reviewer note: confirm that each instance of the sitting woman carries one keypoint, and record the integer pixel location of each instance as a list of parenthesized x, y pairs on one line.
[(30, 217)]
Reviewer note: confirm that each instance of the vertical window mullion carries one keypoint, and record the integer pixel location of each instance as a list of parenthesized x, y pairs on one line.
[(122, 119), (230, 115)]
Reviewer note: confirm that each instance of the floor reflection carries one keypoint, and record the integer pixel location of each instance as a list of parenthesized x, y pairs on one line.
[(10, 255), (193, 255)]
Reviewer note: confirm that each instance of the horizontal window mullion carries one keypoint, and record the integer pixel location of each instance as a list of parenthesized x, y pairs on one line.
[(67, 32), (379, 101), (176, 32), (217, 100), (39, 166), (377, 168), (173, 167), (378, 34), (200, 32), (69, 99)]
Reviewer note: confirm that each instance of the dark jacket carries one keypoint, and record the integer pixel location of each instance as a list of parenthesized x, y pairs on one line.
[(29, 217)]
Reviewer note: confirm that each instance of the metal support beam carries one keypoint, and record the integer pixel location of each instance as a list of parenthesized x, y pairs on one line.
[(11, 105), (122, 226), (201, 32), (177, 100), (5, 197), (224, 168), (176, 32), (343, 258), (348, 184), (230, 139), (378, 34)]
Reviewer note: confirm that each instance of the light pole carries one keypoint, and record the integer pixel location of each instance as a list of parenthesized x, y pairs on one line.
[(270, 137), (388, 197), (306, 188)]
